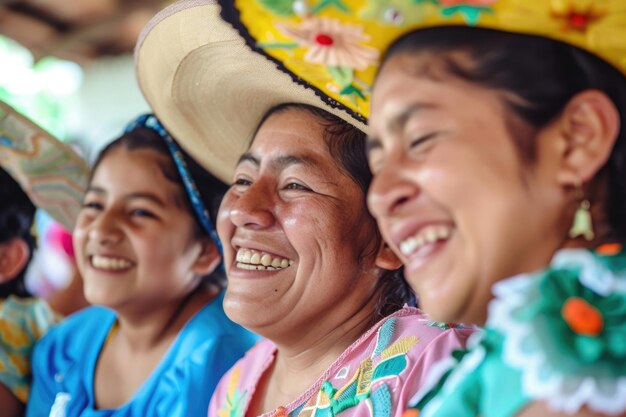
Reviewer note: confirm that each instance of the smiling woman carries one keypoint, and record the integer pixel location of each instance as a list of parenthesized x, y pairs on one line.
[(498, 147), (308, 270), (306, 265), (146, 250), (281, 186)]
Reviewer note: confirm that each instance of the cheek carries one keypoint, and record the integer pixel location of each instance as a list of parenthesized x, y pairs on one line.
[(79, 238), (223, 224)]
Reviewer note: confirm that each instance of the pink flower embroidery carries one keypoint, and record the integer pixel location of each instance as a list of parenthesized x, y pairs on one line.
[(333, 43)]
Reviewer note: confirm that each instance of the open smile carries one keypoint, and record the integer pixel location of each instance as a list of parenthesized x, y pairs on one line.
[(252, 259), (110, 263)]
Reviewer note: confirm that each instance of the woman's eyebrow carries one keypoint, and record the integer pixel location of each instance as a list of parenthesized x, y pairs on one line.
[(146, 196), (248, 157), (281, 162), (398, 121)]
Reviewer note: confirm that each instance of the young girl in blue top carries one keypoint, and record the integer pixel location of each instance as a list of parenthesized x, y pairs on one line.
[(158, 341)]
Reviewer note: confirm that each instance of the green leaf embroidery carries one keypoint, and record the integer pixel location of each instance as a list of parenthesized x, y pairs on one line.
[(343, 76), (328, 3), (279, 7)]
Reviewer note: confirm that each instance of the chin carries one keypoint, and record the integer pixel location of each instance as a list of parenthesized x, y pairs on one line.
[(242, 310)]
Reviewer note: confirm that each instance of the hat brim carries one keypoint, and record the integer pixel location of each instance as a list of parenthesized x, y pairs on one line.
[(52, 175), (208, 88)]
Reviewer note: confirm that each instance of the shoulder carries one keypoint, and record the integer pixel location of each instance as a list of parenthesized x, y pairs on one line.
[(563, 330), (205, 349), (83, 322), (413, 326), (252, 364), (231, 394), (75, 334), (210, 330), (31, 315), (22, 322)]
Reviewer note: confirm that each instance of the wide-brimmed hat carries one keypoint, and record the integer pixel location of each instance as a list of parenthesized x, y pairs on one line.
[(52, 175), (207, 86), (334, 47)]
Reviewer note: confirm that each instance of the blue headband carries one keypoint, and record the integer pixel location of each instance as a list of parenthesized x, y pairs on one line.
[(202, 213)]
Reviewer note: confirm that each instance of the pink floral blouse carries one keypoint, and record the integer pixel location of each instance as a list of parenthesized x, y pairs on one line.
[(376, 376)]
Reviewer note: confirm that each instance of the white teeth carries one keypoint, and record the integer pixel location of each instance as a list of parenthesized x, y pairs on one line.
[(103, 262), (253, 260), (424, 237), (443, 232), (430, 235)]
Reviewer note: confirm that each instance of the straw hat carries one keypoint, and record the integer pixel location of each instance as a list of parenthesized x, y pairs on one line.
[(335, 46), (52, 175), (208, 88)]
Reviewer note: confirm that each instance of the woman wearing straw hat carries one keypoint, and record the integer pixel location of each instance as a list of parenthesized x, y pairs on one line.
[(306, 265), (502, 122), (35, 170)]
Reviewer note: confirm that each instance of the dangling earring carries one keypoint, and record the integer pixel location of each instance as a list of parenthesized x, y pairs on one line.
[(582, 224)]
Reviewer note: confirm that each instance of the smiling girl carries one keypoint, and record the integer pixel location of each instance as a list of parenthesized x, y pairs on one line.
[(158, 341)]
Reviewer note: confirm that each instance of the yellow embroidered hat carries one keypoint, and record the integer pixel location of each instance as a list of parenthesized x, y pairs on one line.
[(334, 46), (52, 175), (209, 88)]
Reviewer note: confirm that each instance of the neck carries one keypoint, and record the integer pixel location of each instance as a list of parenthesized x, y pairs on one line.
[(145, 330), (302, 359)]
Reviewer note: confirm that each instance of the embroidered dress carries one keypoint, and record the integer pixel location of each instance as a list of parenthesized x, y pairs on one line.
[(375, 376), (65, 359), (22, 322), (556, 336)]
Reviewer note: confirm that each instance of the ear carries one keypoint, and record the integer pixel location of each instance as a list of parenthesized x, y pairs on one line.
[(208, 259), (13, 257), (589, 126), (386, 259)]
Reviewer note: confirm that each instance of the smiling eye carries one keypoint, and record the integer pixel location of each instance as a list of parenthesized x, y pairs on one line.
[(92, 205), (296, 186), (422, 139), (141, 213), (424, 142), (242, 181)]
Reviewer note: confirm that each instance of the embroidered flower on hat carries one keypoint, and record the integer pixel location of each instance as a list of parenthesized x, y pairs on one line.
[(332, 43), (336, 47), (567, 339), (594, 25)]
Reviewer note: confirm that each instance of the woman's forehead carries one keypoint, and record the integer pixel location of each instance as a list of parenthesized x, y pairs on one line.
[(291, 133), (132, 171)]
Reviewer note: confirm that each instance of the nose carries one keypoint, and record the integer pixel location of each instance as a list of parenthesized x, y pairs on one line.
[(391, 189), (104, 229), (253, 208)]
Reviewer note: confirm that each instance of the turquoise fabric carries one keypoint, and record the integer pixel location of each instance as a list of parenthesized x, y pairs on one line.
[(481, 384), (533, 349)]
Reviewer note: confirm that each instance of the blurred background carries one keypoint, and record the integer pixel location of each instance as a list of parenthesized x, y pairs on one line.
[(68, 65)]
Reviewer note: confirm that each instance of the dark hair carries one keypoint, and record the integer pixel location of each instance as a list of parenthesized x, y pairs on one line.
[(210, 188), (540, 76), (346, 145), (17, 214)]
